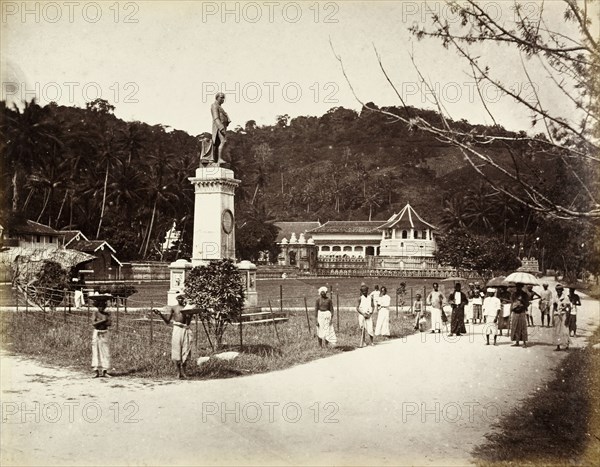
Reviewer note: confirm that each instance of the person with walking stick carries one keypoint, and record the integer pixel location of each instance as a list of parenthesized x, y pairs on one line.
[(181, 341)]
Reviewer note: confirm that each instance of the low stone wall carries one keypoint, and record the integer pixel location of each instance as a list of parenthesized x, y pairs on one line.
[(149, 271), (362, 272)]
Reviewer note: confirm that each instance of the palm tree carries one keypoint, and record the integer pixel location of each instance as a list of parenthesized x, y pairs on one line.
[(160, 188), (28, 134), (453, 213), (482, 207), (110, 156)]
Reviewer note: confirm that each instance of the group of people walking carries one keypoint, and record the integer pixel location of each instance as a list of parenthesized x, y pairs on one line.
[(502, 310), (497, 308), (378, 301)]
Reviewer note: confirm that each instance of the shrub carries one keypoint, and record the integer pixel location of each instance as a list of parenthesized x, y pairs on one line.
[(218, 291)]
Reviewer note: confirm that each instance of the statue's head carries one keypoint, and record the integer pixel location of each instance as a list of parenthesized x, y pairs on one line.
[(220, 97)]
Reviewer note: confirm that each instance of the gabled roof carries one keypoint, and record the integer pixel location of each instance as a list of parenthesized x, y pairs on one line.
[(360, 227), (287, 228), (90, 245), (407, 219), (71, 235), (30, 227)]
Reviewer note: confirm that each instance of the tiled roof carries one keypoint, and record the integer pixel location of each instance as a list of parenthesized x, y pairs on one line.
[(33, 228), (287, 228), (89, 245), (69, 235), (407, 219), (360, 227)]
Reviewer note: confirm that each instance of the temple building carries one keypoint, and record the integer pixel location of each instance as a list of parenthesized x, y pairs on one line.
[(404, 241)]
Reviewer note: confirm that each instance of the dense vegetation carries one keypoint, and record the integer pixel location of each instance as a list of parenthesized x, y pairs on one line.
[(126, 182)]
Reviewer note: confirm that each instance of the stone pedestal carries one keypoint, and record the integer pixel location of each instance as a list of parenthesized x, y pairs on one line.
[(214, 214), (178, 272), (248, 271)]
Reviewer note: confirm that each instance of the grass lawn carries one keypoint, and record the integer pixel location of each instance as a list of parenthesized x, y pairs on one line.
[(559, 425), (295, 290), (142, 349)]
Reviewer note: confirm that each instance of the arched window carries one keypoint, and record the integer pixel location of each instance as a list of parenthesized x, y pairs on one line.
[(416, 234), (404, 234), (424, 236), (347, 248), (336, 248), (358, 248), (325, 248), (388, 233)]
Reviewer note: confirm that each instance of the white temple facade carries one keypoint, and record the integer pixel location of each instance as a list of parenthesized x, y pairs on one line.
[(405, 240)]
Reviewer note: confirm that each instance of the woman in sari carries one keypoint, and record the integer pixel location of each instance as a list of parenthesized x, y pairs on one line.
[(561, 307)]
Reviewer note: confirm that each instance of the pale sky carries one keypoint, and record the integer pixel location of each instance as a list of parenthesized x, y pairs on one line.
[(162, 62)]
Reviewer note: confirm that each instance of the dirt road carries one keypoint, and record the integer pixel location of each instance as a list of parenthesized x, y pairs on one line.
[(426, 399)]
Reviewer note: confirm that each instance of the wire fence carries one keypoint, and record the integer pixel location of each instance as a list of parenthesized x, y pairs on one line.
[(283, 321)]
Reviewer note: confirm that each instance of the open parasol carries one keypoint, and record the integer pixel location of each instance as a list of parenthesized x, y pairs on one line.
[(497, 282), (522, 277)]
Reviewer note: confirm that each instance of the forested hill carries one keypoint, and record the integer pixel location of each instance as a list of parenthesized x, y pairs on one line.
[(348, 165), (127, 181)]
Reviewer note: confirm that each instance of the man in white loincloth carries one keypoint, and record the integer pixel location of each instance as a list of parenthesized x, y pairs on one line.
[(365, 311), (492, 313), (100, 341), (324, 315), (435, 300), (181, 341)]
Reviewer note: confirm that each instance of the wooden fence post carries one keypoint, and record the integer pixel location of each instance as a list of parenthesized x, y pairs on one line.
[(307, 318), (280, 298), (337, 300), (241, 333), (151, 321), (274, 322)]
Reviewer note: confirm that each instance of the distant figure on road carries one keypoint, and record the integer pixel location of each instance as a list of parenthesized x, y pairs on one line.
[(477, 303), (435, 300), (100, 341), (533, 295), (575, 302), (324, 315), (545, 303), (458, 301), (382, 328), (561, 307), (374, 297), (518, 320), (365, 312), (419, 311), (181, 341), (470, 293), (504, 320), (492, 313)]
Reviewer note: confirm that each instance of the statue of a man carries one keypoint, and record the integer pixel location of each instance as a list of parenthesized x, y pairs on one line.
[(220, 123)]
